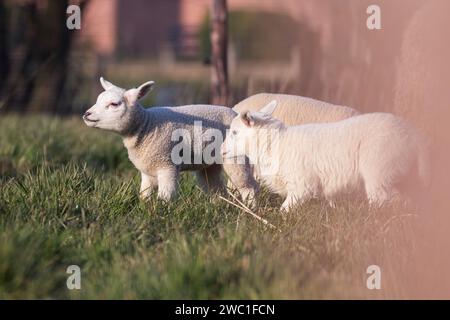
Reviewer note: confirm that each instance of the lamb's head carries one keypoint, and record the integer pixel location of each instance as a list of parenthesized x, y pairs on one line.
[(245, 131), (116, 109)]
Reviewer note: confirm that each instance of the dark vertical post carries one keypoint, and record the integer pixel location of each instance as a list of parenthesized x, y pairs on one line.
[(4, 53), (219, 42)]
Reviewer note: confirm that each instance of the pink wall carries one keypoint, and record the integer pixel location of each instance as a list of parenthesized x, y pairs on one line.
[(112, 24), (99, 25)]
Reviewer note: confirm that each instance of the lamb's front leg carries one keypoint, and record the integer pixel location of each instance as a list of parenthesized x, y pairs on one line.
[(288, 203), (148, 185), (167, 183), (241, 177), (292, 200)]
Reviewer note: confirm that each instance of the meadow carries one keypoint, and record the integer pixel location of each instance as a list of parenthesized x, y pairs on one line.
[(69, 195)]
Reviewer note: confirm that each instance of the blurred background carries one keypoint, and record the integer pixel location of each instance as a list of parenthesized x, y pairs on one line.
[(316, 48), (320, 49)]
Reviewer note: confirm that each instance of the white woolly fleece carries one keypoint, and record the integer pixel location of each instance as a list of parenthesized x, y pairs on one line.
[(379, 149), (294, 110)]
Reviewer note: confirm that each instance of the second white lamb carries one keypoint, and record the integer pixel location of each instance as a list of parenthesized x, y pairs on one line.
[(377, 151)]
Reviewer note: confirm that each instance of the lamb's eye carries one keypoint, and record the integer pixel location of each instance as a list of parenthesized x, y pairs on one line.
[(114, 104)]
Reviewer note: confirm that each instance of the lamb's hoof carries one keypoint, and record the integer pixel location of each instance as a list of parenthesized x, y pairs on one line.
[(144, 197), (284, 209)]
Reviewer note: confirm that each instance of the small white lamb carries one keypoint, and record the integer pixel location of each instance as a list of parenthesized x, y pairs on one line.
[(295, 110), (378, 150), (148, 136)]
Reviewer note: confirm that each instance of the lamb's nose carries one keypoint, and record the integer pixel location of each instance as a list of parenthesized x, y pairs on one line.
[(86, 114)]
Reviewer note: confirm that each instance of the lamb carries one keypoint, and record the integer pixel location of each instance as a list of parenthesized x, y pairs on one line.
[(295, 110), (148, 135), (378, 150)]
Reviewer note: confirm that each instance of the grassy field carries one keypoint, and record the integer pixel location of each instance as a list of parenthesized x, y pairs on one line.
[(69, 195)]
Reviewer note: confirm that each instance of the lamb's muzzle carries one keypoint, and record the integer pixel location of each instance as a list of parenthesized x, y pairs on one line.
[(86, 117)]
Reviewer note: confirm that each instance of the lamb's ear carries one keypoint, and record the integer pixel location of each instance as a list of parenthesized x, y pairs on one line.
[(269, 108), (106, 84), (138, 93), (247, 118), (145, 88)]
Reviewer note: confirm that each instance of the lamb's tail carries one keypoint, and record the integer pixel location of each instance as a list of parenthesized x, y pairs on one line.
[(424, 162)]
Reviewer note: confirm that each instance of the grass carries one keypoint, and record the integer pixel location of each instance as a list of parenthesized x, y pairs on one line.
[(68, 195)]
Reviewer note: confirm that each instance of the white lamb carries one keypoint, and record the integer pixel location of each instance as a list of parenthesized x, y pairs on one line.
[(295, 110), (148, 136), (378, 150)]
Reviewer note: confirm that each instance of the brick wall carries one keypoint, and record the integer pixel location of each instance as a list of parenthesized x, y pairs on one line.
[(143, 27), (99, 25)]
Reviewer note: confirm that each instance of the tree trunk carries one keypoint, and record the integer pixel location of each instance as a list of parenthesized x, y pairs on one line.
[(19, 83), (4, 55), (37, 79), (219, 41), (51, 59)]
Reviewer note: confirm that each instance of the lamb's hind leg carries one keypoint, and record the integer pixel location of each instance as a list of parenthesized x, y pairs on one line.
[(379, 190), (210, 179)]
